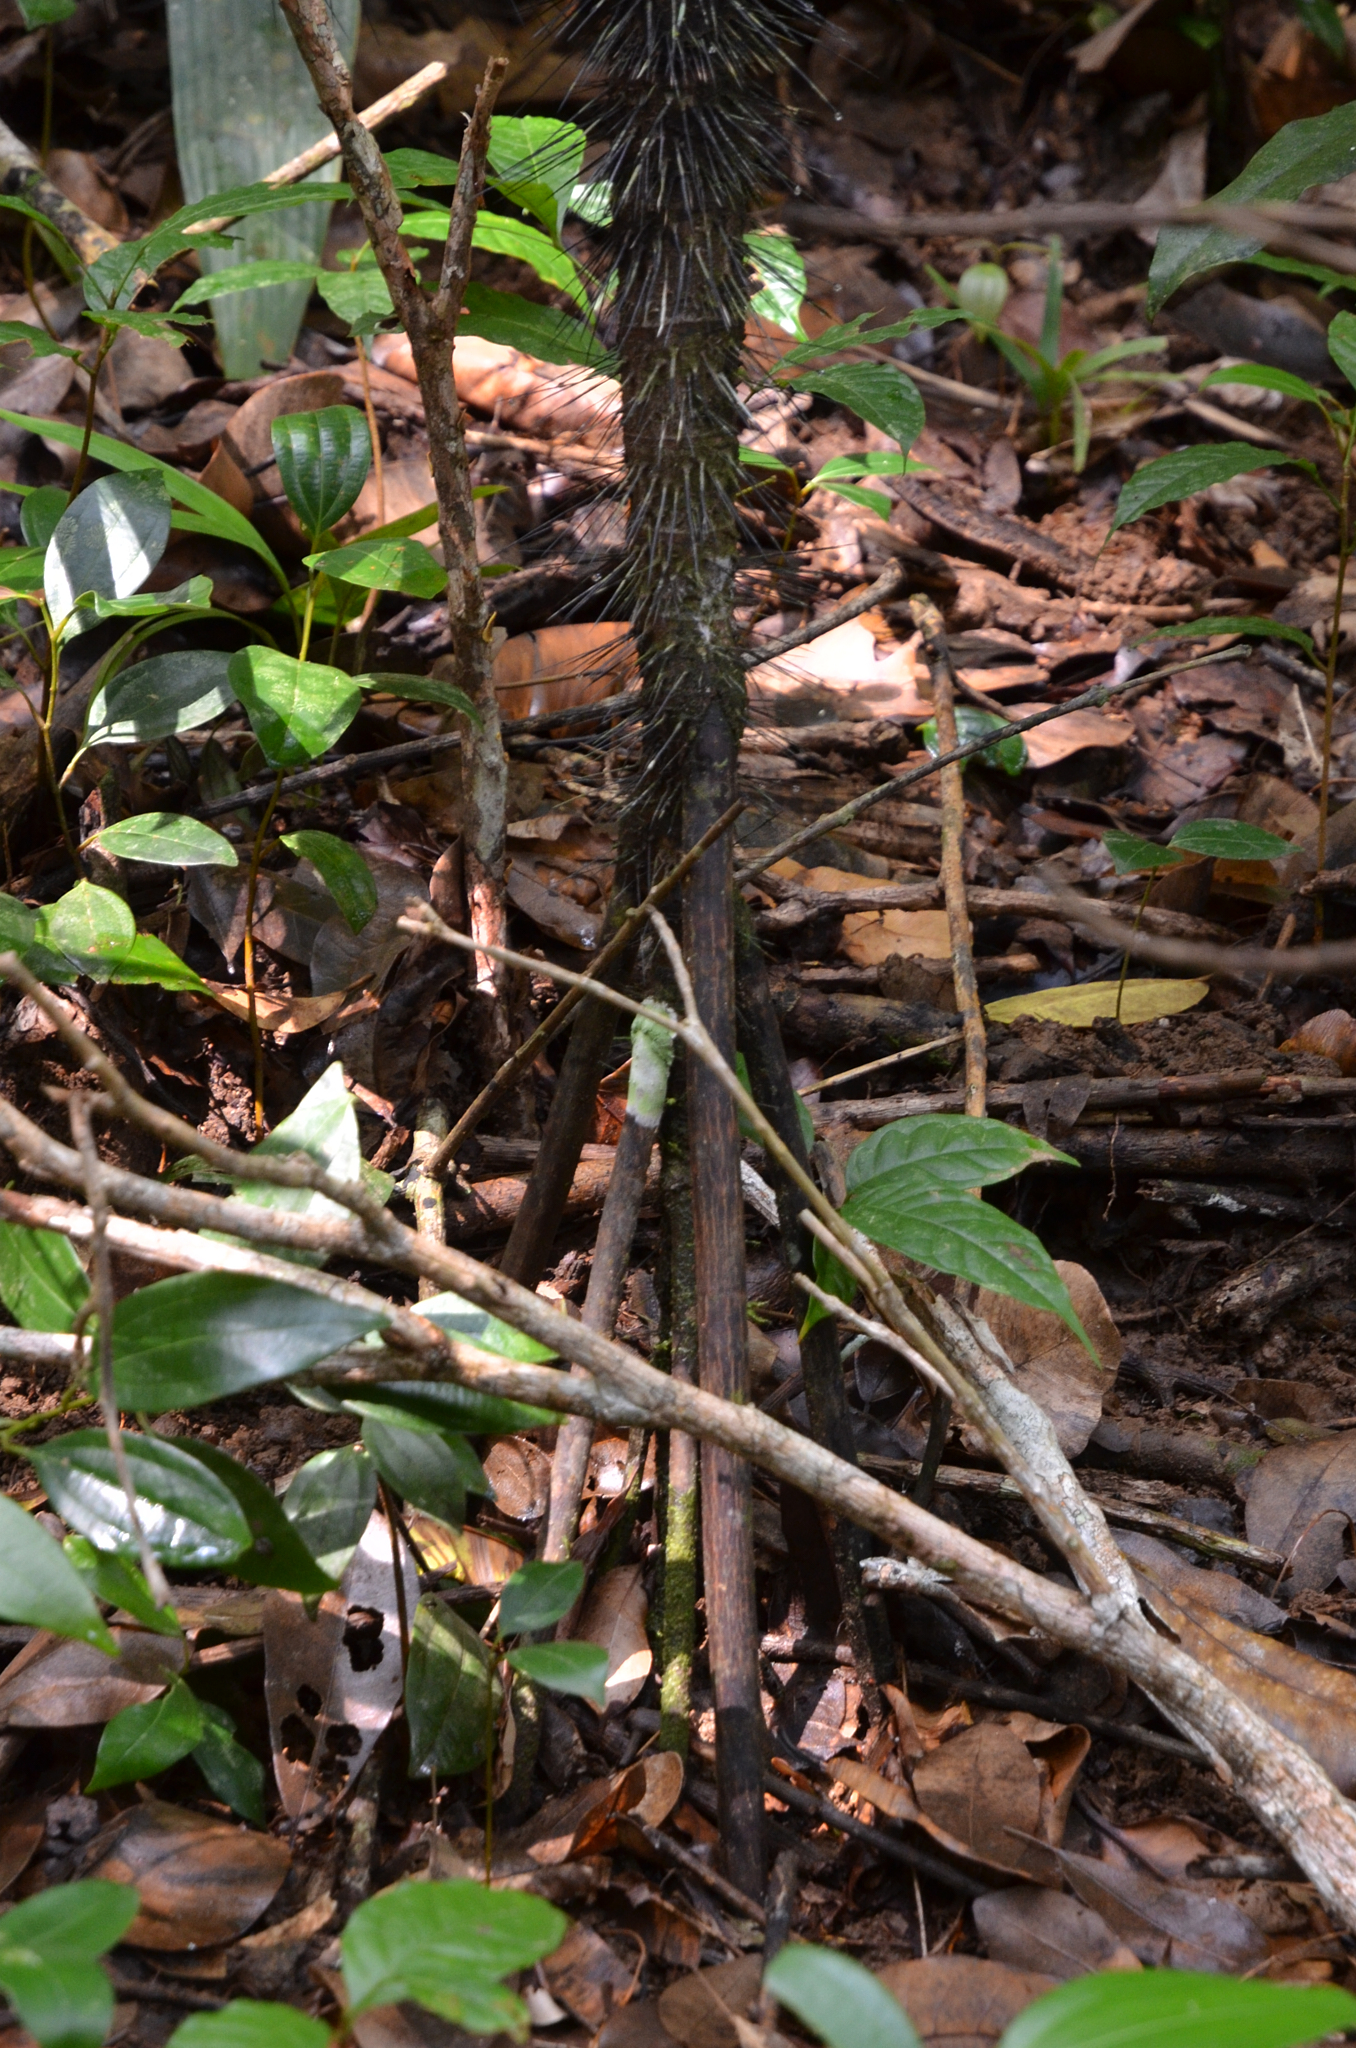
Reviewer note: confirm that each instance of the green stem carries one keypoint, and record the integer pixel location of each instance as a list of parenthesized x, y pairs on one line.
[(251, 892), (104, 346), (1125, 957), (496, 1652), (1330, 674), (49, 769)]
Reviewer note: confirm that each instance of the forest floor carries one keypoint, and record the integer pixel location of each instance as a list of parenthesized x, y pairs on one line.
[(1206, 1221)]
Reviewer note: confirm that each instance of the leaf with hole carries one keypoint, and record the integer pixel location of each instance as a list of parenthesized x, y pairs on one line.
[(188, 1517), (298, 708), (884, 397), (964, 1236), (329, 1502), (1179, 2009), (140, 1742), (406, 566), (1230, 839), (323, 458), (947, 1152), (201, 1336), (1319, 151), (166, 839), (42, 1282), (1173, 477), (343, 871), (837, 1998), (446, 1692), (170, 693), (40, 1588), (443, 1944), (537, 1595), (107, 542), (277, 1556), (577, 1668), (232, 1772)]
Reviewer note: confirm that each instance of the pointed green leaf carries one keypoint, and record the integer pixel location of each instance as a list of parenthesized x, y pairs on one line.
[(298, 708), (277, 1556), (1211, 627), (41, 512), (323, 459), (92, 927), (879, 394), (42, 1282), (329, 1503), (1177, 476), (187, 1515), (1229, 839), (537, 1595), (441, 1937), (324, 1126), (166, 839), (1133, 856), (201, 1336), (108, 541), (244, 277), (422, 1464), (423, 690), (1179, 2009), (1342, 344), (576, 1668), (343, 871), (140, 1742), (170, 693), (233, 1772), (1268, 379), (837, 1998), (121, 1584), (403, 565), (42, 1589), (947, 1152), (251, 2023)]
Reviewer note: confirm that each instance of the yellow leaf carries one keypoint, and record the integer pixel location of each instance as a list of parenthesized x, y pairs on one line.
[(1083, 1005)]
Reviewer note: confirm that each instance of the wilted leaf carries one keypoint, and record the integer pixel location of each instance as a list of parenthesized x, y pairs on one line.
[(201, 1881), (1083, 1004)]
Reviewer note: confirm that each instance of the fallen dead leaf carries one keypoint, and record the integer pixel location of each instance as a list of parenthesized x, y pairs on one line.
[(1301, 1501), (1082, 1005), (614, 1618), (1167, 1925), (201, 1881), (1031, 1927), (519, 1471), (57, 1683), (1221, 1592), (1052, 1366), (21, 1833), (847, 671), (559, 667), (1332, 1035), (285, 1016), (696, 2011), (870, 936), (476, 1559), (962, 2001), (588, 1976)]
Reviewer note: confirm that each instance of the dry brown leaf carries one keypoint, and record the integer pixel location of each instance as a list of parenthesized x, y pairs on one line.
[(870, 936), (983, 1789), (560, 667), (614, 1618), (1031, 1927), (663, 1787), (554, 912), (1332, 1035), (579, 1821), (1221, 1592), (285, 1016), (332, 1684), (1052, 1366), (201, 1881), (671, 1935), (22, 1829), (1169, 1845), (848, 673), (588, 1976), (57, 1683), (520, 1473), (1301, 1501), (962, 2001), (1167, 1925), (477, 1559), (697, 2010)]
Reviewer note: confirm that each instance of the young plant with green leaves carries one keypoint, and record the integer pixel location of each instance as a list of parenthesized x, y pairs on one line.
[(1171, 478), (1203, 839), (848, 2007)]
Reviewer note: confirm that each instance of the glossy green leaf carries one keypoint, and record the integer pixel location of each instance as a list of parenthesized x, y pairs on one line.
[(461, 1409), (1229, 839), (1211, 627), (251, 2023), (120, 1583), (423, 690), (194, 595), (41, 512), (577, 1668), (1327, 279), (48, 1971), (140, 1742), (536, 330), (948, 1152), (459, 1318), (964, 1236), (244, 277), (169, 693), (211, 514), (779, 269), (874, 502), (40, 1588), (417, 521), (277, 1556), (1180, 2009), (879, 394), (1342, 344), (324, 1126), (838, 1998), (108, 541), (419, 1462), (1173, 477), (1007, 754), (200, 1336), (535, 161), (166, 839), (91, 927), (432, 1941), (242, 202), (42, 1282), (537, 1595), (329, 1502), (500, 235), (323, 459), (298, 708), (1304, 153), (1268, 379), (874, 462), (232, 1772), (447, 1685), (342, 869), (1134, 856), (21, 569), (403, 565), (188, 1517), (149, 959), (835, 1279)]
